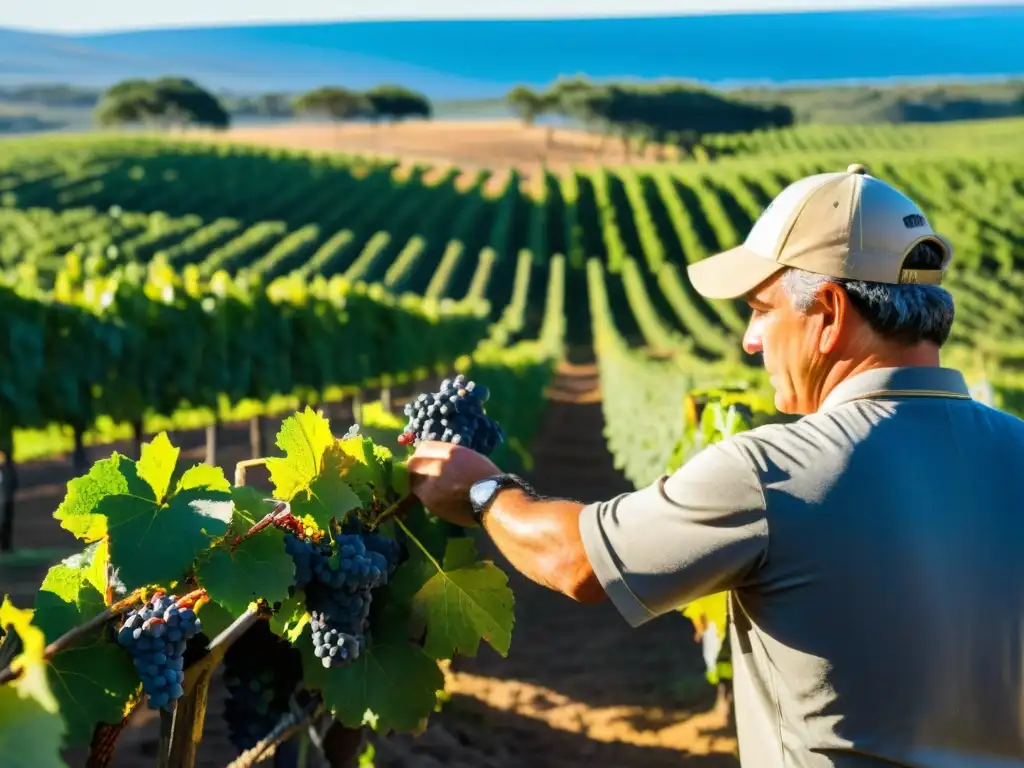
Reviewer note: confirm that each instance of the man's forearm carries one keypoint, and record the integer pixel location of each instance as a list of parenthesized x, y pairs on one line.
[(541, 539)]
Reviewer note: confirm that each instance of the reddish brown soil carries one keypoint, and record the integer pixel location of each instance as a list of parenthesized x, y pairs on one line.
[(579, 687), (469, 144)]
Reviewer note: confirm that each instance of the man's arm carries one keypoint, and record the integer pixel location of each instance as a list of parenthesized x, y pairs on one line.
[(541, 539), (702, 530)]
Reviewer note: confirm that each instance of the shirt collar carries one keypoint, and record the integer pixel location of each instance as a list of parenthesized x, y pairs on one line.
[(912, 381)]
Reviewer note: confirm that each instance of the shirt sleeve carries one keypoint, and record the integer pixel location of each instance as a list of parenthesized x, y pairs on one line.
[(696, 532)]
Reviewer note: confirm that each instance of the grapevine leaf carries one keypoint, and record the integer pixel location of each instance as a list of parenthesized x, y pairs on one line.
[(79, 512), (250, 508), (259, 567), (712, 609), (215, 618), (303, 437), (369, 475), (94, 680), (203, 476), (431, 532), (328, 494), (291, 618), (461, 602), (93, 559), (393, 680), (156, 465), (400, 479), (31, 728), (152, 543)]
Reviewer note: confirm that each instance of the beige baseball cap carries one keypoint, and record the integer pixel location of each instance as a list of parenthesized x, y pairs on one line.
[(838, 224)]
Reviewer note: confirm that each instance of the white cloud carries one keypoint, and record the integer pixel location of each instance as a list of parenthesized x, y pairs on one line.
[(104, 15)]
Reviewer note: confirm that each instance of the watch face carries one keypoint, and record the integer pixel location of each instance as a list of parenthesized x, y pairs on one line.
[(481, 492)]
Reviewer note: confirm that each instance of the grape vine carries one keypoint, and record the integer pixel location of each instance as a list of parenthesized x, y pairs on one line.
[(356, 591)]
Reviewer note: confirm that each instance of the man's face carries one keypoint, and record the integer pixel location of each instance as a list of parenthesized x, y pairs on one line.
[(789, 343)]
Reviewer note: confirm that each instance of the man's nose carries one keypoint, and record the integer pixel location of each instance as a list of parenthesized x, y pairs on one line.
[(751, 340)]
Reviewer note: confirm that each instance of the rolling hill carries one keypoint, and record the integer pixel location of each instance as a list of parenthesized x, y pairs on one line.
[(478, 59)]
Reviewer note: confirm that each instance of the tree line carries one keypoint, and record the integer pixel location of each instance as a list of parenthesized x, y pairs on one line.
[(675, 113), (180, 102), (888, 103)]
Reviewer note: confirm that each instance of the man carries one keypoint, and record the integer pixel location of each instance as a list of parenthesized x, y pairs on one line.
[(873, 548)]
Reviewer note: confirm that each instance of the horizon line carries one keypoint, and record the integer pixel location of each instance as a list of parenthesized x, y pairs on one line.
[(826, 7)]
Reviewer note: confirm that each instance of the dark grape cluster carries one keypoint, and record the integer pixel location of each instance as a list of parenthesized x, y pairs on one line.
[(156, 635), (455, 414), (339, 583), (261, 672)]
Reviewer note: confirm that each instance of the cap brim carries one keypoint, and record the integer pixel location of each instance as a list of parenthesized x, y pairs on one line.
[(731, 274)]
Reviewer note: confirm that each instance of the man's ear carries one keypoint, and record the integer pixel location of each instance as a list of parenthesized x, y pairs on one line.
[(834, 308)]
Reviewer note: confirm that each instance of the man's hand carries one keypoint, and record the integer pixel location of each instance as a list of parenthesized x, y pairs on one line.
[(441, 474)]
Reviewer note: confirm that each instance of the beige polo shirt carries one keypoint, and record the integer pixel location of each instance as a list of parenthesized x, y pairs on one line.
[(875, 555)]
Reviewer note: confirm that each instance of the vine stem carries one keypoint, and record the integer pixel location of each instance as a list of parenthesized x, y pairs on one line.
[(400, 507), (287, 726), (72, 636), (419, 544), (280, 510)]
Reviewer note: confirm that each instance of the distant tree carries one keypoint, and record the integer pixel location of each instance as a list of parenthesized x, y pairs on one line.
[(526, 103), (129, 101), (168, 101), (655, 110), (394, 103), (186, 103), (336, 103)]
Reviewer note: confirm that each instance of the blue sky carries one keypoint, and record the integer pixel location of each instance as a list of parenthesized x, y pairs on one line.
[(108, 15)]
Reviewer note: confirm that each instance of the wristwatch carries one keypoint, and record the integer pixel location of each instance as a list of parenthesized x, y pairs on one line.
[(483, 492)]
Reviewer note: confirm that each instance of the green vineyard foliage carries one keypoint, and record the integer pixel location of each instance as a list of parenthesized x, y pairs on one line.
[(151, 524), (151, 340), (589, 260)]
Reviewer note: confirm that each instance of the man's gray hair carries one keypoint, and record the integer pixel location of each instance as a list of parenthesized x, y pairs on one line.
[(902, 313)]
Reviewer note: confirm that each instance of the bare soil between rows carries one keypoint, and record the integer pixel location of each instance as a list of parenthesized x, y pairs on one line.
[(468, 144), (579, 686)]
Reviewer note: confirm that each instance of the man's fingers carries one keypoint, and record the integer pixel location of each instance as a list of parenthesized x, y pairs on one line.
[(423, 470), (435, 449)]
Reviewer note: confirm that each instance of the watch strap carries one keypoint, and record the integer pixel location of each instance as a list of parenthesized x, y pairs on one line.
[(501, 483)]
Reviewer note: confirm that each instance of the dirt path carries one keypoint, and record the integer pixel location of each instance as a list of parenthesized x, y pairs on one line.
[(579, 687)]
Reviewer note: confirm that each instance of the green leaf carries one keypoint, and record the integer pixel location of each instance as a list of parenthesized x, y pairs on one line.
[(215, 618), (156, 465), (291, 618), (31, 728), (250, 508), (93, 560), (461, 601), (369, 477), (203, 476), (94, 680), (400, 479), (328, 495), (79, 511), (157, 544), (393, 681), (430, 531), (258, 568), (303, 437)]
